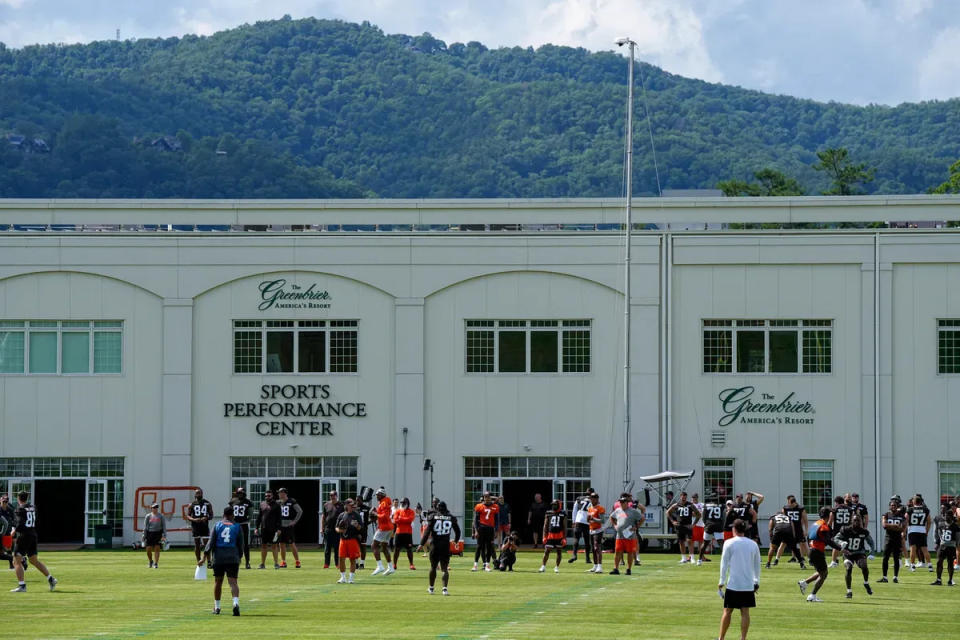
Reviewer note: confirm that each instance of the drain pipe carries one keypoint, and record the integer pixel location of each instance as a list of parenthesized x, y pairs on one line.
[(876, 379)]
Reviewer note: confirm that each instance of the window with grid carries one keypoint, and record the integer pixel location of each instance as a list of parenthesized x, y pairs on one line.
[(52, 467), (948, 346), (279, 467), (61, 347), (816, 482), (949, 478), (295, 346), (767, 346), (472, 494), (717, 479), (528, 346)]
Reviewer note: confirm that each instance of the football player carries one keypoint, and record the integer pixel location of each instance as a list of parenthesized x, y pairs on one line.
[(241, 506), (781, 537), (554, 534), (948, 532), (894, 524), (918, 530), (224, 547), (855, 542), (290, 514), (198, 515), (712, 529), (682, 515), (441, 525), (820, 538), (381, 537), (798, 517), (268, 528), (841, 516), (25, 534), (485, 519)]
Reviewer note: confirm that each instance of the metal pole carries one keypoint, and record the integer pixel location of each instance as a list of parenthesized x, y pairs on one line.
[(626, 268)]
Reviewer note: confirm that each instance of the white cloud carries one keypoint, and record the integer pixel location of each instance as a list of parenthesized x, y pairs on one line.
[(938, 75)]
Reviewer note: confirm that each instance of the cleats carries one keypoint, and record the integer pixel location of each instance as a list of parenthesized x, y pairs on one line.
[(52, 582), (951, 584), (430, 590), (803, 587), (556, 569), (802, 566), (883, 579), (296, 566), (247, 566), (261, 567), (378, 571), (342, 580), (896, 580), (445, 592), (276, 566), (542, 568), (628, 572), (813, 598), (486, 567), (685, 561), (21, 588), (474, 567), (283, 565), (867, 587), (572, 560), (326, 566), (350, 580), (412, 568), (389, 570), (936, 583), (699, 562), (615, 572), (216, 612), (833, 564), (236, 610), (849, 595), (768, 565)]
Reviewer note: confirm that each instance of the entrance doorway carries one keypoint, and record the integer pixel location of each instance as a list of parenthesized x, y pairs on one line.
[(60, 510), (307, 495), (519, 495)]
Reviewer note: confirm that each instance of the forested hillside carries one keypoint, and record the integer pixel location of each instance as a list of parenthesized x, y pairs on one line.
[(316, 108)]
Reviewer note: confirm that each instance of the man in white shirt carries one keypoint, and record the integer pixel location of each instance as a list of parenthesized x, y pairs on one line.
[(740, 571), (581, 526)]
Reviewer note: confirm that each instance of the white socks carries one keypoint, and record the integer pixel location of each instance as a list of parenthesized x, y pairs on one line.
[(236, 602)]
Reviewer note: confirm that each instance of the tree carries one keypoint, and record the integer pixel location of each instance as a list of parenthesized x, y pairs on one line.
[(844, 174), (770, 182), (952, 185)]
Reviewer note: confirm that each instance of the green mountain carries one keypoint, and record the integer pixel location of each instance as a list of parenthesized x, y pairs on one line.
[(318, 108)]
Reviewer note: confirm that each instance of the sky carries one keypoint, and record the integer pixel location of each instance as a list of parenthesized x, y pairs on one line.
[(852, 51)]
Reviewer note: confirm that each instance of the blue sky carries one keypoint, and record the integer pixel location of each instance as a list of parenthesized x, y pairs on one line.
[(856, 51)]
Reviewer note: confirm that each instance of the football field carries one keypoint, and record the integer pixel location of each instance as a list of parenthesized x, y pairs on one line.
[(112, 594)]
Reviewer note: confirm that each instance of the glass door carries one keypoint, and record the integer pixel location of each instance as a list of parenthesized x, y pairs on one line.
[(96, 508), (326, 486), (16, 485)]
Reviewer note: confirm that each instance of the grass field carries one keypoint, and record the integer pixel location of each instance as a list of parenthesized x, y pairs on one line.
[(113, 595)]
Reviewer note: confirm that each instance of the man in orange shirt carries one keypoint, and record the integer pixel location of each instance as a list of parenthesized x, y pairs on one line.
[(403, 521), (485, 518), (381, 539), (595, 514)]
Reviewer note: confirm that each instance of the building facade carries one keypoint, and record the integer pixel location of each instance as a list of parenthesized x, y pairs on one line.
[(451, 347)]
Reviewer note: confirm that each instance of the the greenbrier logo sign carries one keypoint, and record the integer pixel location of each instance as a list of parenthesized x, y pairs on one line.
[(275, 295), (740, 406)]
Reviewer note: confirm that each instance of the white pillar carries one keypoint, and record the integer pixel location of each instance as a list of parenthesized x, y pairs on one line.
[(176, 390)]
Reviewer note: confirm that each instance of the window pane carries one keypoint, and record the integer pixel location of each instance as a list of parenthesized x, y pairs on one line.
[(576, 351), (513, 351), (717, 351), (949, 478), (280, 352), (750, 352), (513, 467), (543, 351), (717, 479), (479, 351), (43, 352), (247, 356), (76, 352), (343, 350), (11, 352), (783, 351), (817, 354), (312, 351), (816, 484), (107, 351)]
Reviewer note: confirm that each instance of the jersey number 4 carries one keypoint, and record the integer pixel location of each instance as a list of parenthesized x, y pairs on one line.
[(225, 535)]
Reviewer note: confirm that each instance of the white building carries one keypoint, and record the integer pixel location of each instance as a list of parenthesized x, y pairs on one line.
[(483, 335)]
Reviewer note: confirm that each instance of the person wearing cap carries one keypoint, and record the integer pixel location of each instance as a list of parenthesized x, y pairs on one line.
[(154, 535), (199, 512), (332, 509), (403, 521), (740, 574), (242, 506), (290, 514), (381, 538), (348, 527), (626, 520)]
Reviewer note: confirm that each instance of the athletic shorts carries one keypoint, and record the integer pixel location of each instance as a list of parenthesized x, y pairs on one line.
[(782, 537), (349, 549), (268, 536), (287, 535), (152, 538), (798, 533), (6, 542), (26, 545), (950, 553), (554, 541), (698, 534), (818, 560), (917, 539), (381, 535), (403, 541), (739, 599), (200, 529), (231, 570), (625, 545), (684, 532), (439, 555)]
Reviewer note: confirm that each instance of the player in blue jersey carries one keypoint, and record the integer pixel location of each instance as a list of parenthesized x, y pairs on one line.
[(225, 550)]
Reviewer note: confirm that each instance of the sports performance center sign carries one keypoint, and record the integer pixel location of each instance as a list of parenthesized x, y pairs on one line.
[(294, 410), (742, 405)]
